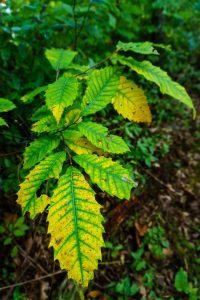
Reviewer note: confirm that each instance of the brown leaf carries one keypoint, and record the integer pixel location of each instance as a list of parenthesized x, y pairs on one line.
[(95, 294)]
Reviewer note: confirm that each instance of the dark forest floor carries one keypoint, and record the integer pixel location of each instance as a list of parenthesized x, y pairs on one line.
[(170, 200)]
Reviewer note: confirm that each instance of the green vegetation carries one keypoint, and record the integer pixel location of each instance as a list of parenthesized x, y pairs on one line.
[(93, 140)]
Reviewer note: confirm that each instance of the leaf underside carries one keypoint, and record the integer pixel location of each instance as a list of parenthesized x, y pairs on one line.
[(131, 102), (75, 225), (110, 176)]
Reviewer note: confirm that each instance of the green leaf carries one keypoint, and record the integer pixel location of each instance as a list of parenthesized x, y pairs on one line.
[(38, 149), (75, 225), (3, 122), (60, 58), (50, 167), (72, 134), (143, 48), (61, 94), (28, 98), (102, 87), (6, 105), (158, 76), (46, 124), (181, 281), (98, 136), (40, 113), (107, 174)]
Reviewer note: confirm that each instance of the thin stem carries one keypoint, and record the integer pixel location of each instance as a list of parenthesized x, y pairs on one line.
[(57, 74), (31, 280), (97, 64), (84, 20), (66, 150)]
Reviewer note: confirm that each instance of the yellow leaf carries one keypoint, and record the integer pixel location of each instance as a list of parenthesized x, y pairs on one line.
[(40, 205), (75, 225), (83, 146), (131, 102)]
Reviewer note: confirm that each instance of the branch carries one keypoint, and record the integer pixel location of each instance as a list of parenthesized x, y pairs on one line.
[(66, 150), (97, 64)]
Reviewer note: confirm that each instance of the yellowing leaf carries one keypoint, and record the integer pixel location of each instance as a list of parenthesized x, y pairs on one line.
[(82, 145), (107, 174), (61, 94), (98, 135), (75, 226), (158, 76), (41, 204), (47, 123), (72, 117), (131, 102), (50, 167)]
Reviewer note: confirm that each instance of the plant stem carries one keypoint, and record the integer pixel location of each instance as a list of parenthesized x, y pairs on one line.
[(97, 64), (66, 150)]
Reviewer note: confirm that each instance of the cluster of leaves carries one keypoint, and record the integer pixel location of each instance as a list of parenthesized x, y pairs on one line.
[(30, 26), (75, 222)]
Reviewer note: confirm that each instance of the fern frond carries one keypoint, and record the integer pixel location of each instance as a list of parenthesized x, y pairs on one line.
[(107, 174), (60, 58), (102, 87), (6, 105), (131, 102), (75, 225), (50, 167), (158, 76), (61, 94), (38, 149), (98, 136)]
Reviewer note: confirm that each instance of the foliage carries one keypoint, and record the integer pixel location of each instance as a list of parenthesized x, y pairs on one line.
[(62, 111), (83, 219), (5, 105)]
